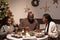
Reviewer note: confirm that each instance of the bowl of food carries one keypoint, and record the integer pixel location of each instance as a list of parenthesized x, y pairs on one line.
[(17, 35), (39, 35)]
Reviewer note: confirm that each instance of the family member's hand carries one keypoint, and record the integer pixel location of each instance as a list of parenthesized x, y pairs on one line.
[(10, 31), (37, 30), (27, 28)]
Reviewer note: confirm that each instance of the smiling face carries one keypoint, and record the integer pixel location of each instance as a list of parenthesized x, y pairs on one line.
[(45, 20), (30, 17), (9, 21)]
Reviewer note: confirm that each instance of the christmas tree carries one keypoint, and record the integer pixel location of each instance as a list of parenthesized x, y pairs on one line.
[(4, 9)]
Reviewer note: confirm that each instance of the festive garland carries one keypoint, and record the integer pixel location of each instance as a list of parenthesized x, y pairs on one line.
[(35, 4)]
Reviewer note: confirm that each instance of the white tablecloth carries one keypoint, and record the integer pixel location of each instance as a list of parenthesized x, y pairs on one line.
[(27, 38)]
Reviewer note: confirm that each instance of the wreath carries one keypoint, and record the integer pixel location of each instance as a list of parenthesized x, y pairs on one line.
[(35, 3)]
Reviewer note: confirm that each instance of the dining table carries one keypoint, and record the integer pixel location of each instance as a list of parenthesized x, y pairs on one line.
[(9, 36)]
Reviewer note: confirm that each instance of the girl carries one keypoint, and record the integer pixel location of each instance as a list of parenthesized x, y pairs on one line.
[(7, 28), (51, 28)]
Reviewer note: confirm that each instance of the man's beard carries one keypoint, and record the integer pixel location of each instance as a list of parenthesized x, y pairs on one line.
[(31, 21)]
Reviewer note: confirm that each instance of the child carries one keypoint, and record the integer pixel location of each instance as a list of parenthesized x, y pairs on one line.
[(7, 28)]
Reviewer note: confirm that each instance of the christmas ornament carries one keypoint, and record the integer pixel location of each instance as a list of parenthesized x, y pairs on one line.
[(55, 1), (45, 8), (35, 3), (8, 12)]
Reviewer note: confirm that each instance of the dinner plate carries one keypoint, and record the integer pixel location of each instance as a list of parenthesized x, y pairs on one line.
[(9, 36)]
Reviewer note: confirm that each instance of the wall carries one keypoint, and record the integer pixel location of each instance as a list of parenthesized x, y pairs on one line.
[(17, 8)]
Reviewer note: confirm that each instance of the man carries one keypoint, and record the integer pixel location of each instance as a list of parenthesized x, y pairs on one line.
[(29, 23), (51, 28)]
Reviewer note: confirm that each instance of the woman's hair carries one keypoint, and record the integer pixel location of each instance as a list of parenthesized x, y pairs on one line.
[(4, 21), (47, 16)]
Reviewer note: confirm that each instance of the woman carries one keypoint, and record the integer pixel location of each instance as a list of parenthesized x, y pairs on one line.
[(7, 28), (51, 28)]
